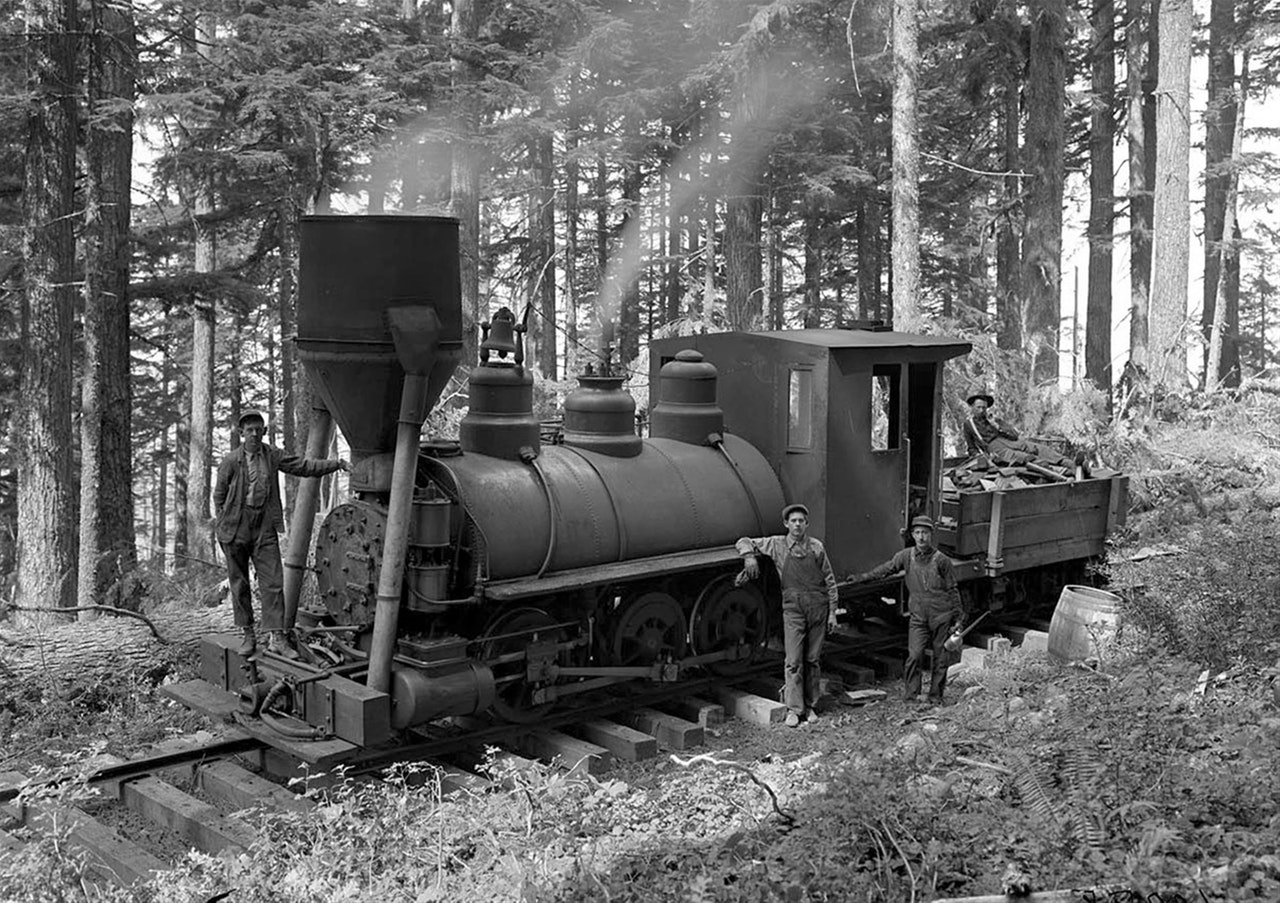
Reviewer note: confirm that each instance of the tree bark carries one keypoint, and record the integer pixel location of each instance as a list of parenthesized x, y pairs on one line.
[(87, 653), (1142, 53), (1171, 242), (811, 315), (107, 531), (286, 302), (200, 439), (906, 168), (744, 276), (1097, 349), (541, 273), (1220, 120), (200, 436), (464, 201), (1042, 229), (571, 221), (1009, 313), (627, 277), (1227, 253), (46, 541)]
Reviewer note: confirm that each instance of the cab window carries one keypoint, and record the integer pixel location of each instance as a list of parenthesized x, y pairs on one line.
[(886, 431), (800, 409)]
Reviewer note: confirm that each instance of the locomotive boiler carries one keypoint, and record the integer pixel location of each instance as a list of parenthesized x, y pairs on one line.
[(526, 564)]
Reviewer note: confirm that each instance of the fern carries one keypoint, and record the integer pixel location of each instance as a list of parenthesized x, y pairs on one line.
[(1034, 788)]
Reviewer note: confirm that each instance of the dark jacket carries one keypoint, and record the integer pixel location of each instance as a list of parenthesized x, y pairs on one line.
[(233, 483)]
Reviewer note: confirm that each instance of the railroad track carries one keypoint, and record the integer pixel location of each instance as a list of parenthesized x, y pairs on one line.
[(187, 789)]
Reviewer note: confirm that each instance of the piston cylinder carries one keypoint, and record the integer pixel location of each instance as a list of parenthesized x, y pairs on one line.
[(420, 696)]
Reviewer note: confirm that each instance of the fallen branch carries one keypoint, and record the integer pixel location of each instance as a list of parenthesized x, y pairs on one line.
[(110, 609), (965, 760), (710, 758), (1100, 894)]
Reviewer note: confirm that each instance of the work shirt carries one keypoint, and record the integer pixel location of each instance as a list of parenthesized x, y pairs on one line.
[(979, 434), (802, 564), (256, 470), (930, 579)]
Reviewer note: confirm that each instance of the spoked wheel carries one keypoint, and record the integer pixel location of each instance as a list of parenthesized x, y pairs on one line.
[(726, 616), (647, 628), (508, 634)]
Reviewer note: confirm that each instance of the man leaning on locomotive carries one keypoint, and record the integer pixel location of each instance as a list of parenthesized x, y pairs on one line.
[(248, 522), (934, 600), (809, 599)]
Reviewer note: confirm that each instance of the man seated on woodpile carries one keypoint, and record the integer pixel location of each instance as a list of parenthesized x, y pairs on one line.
[(985, 434)]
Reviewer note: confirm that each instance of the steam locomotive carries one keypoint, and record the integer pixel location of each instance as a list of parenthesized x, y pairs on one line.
[(517, 568)]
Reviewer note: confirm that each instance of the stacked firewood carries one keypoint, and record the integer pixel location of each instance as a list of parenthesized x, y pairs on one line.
[(983, 473)]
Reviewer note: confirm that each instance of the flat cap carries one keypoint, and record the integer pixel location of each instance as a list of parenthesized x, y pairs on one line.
[(252, 414), (786, 512), (922, 521)]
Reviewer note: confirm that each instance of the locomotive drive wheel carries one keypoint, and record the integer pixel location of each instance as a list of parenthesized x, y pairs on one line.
[(511, 632), (648, 628), (726, 615)]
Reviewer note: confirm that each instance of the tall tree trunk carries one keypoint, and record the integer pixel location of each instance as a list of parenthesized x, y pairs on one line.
[(542, 250), (1228, 254), (464, 200), (870, 294), (46, 541), (1142, 54), (1009, 313), (628, 312), (1220, 122), (203, 318), (1042, 230), (1171, 242), (811, 314), (603, 327), (1097, 349), (286, 303), (180, 392), (676, 218), (571, 217), (200, 438), (107, 532), (774, 248), (906, 168), (744, 276)]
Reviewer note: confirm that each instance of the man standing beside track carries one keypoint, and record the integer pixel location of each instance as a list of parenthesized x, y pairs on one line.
[(934, 600), (248, 523), (809, 599)]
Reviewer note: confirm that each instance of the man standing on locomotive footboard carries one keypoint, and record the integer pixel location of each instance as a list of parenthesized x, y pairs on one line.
[(809, 598), (248, 523), (934, 600)]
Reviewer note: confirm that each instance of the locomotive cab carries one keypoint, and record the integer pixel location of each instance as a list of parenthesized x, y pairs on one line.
[(849, 419)]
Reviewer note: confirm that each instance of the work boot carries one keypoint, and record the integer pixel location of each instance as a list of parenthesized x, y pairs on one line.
[(812, 716), (279, 643), (793, 720), (249, 645)]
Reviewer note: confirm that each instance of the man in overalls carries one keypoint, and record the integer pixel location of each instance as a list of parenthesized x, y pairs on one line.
[(934, 600), (809, 599)]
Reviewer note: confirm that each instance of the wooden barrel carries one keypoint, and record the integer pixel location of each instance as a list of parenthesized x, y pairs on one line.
[(1083, 618)]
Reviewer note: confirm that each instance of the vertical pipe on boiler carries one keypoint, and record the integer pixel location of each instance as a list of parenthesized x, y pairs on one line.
[(304, 514), (413, 403)]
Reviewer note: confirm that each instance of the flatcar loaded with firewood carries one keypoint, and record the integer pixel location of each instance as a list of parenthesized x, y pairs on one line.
[(523, 568)]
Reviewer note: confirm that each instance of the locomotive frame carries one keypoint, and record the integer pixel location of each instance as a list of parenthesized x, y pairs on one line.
[(503, 574)]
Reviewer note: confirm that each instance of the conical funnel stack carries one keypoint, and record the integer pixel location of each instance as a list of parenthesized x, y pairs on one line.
[(357, 274)]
